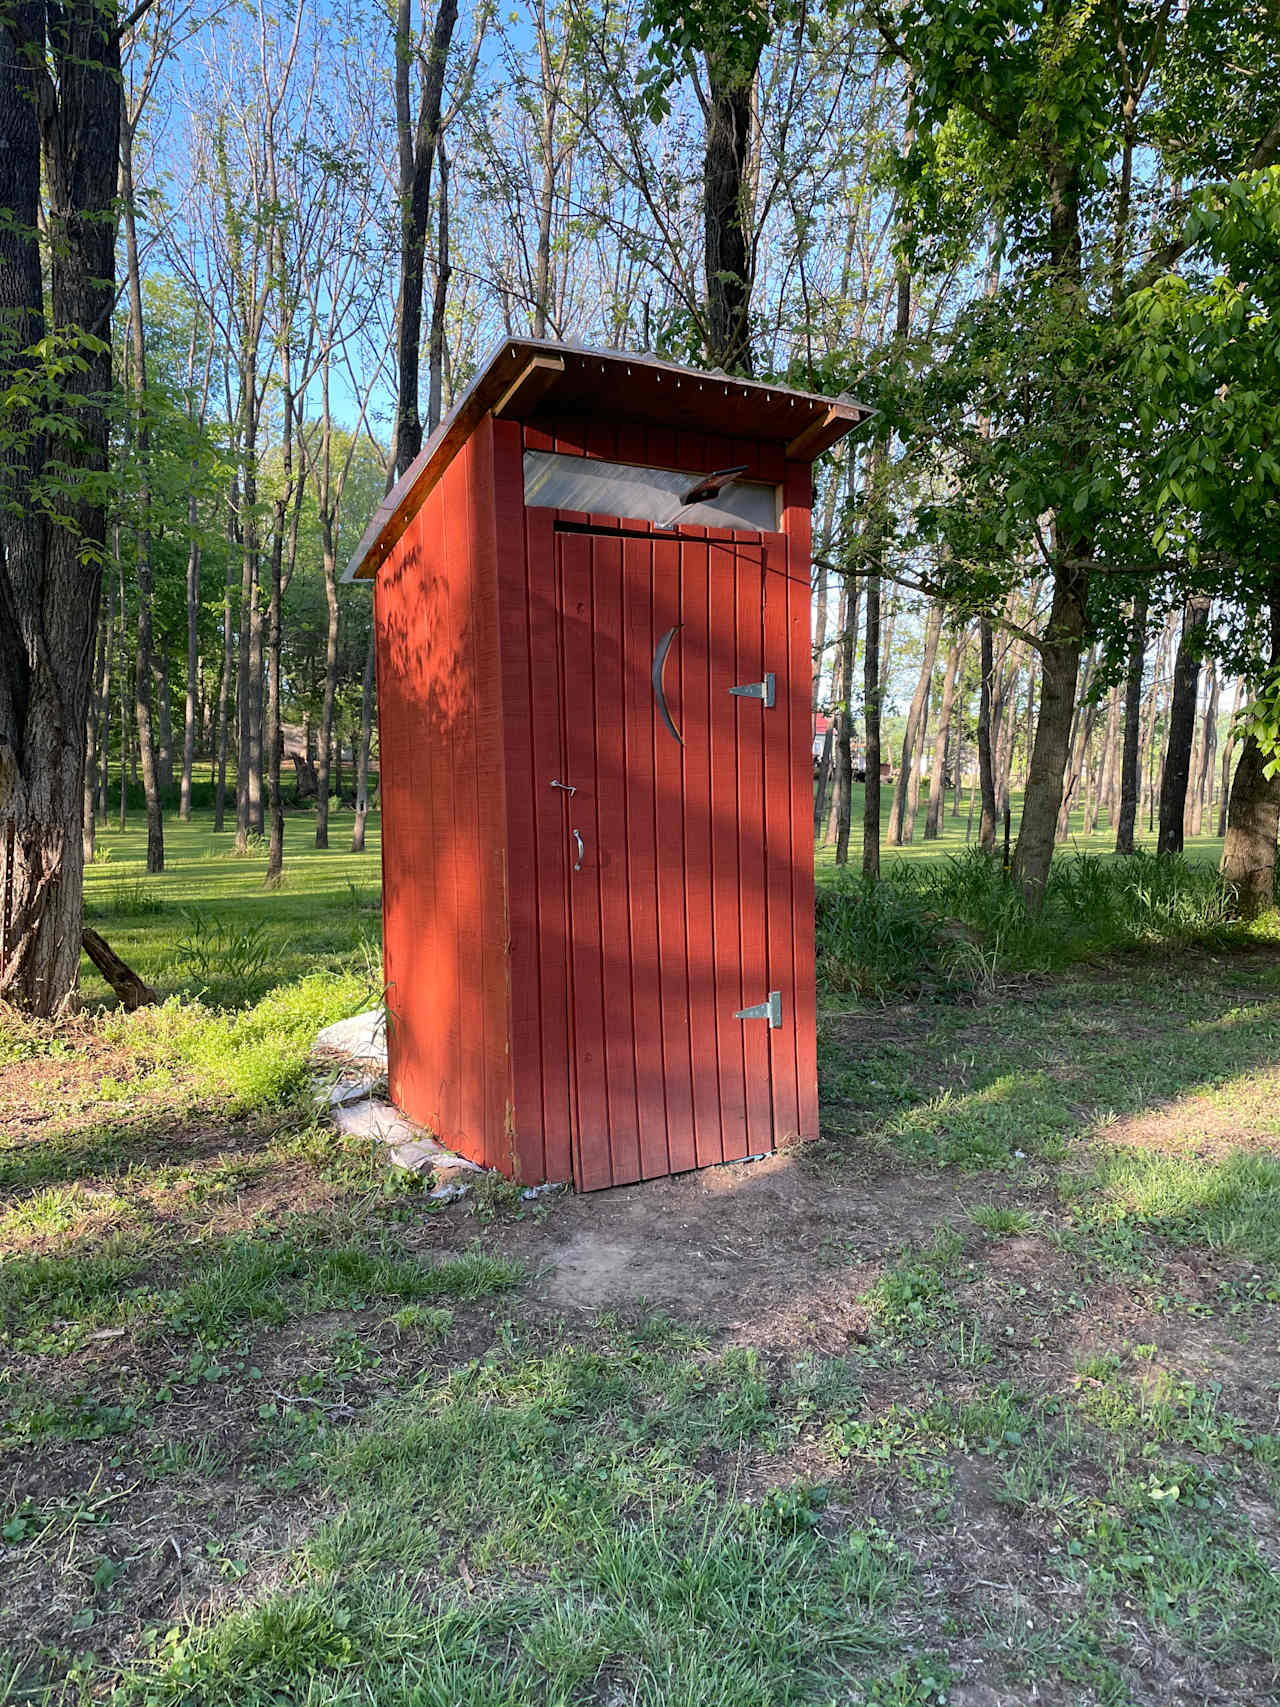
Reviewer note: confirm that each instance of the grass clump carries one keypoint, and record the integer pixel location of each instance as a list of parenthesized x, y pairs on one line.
[(956, 924)]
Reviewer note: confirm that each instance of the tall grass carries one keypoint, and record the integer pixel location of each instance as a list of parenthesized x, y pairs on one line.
[(960, 923)]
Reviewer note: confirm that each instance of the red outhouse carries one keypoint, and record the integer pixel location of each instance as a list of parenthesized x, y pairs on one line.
[(592, 610)]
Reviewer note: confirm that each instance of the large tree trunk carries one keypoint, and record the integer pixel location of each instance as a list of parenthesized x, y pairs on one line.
[(141, 456), (1182, 726), (50, 573), (725, 196), (1253, 812), (1060, 663)]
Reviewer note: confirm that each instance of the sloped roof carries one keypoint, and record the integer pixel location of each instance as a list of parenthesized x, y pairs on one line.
[(522, 375)]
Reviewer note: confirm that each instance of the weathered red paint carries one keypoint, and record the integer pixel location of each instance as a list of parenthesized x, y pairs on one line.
[(573, 1018)]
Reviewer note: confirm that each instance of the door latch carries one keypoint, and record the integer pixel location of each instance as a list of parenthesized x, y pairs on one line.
[(765, 690), (770, 1010)]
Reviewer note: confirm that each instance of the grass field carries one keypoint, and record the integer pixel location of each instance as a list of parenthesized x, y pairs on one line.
[(972, 1402)]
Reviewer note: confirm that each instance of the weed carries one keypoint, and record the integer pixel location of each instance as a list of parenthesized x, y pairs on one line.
[(221, 958)]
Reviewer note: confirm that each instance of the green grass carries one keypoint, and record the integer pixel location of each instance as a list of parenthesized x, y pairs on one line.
[(989, 1401), (205, 925), (1203, 849)]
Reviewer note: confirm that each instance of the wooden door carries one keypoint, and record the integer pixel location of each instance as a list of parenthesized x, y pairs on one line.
[(672, 884)]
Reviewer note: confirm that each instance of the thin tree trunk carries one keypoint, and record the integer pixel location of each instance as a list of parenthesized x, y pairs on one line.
[(164, 750), (141, 454), (844, 728), (224, 678), (1131, 758), (1228, 749), (1182, 726), (986, 770), (440, 298), (104, 698), (193, 663), (938, 766), (1208, 752), (827, 769), (871, 696), (914, 732), (366, 739)]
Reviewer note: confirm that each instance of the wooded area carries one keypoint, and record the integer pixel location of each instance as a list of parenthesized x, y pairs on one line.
[(1042, 243)]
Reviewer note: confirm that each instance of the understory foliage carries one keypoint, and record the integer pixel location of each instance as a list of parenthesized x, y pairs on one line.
[(959, 924)]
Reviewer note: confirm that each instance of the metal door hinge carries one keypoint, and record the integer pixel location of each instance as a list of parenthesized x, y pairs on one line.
[(770, 1010), (765, 690)]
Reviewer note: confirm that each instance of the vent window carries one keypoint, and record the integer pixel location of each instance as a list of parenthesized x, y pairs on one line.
[(658, 495)]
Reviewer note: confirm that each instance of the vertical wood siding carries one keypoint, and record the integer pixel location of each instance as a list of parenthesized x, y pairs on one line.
[(580, 1024), (444, 834)]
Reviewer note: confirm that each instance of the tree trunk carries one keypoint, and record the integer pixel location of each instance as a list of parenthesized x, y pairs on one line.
[(725, 197), (1228, 749), (1182, 726), (104, 700), (938, 765), (193, 663), (914, 733), (1060, 663), (164, 749), (248, 598), (1253, 819), (827, 768), (366, 738), (1208, 752), (986, 770), (59, 94), (141, 456), (257, 711), (222, 734), (1253, 812), (871, 713), (416, 143), (439, 300), (844, 727)]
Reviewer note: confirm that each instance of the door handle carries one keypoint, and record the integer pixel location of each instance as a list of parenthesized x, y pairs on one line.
[(660, 664), (577, 864)]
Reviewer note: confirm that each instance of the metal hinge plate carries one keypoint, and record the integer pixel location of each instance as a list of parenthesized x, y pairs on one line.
[(770, 1010), (765, 690)]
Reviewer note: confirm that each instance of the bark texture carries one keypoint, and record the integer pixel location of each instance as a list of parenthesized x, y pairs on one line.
[(60, 99)]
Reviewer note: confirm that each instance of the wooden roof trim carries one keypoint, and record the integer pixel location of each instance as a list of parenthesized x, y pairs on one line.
[(529, 387), (515, 377)]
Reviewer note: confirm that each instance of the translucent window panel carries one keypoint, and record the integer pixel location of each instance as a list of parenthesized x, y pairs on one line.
[(555, 482)]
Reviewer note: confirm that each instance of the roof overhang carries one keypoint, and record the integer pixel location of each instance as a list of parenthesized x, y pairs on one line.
[(522, 375)]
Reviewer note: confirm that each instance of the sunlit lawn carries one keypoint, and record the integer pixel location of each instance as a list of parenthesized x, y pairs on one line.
[(278, 1431)]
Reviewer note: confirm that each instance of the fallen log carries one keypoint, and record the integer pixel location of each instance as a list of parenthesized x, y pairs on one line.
[(133, 993)]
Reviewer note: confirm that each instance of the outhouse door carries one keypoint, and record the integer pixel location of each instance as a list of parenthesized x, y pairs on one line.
[(680, 1007)]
